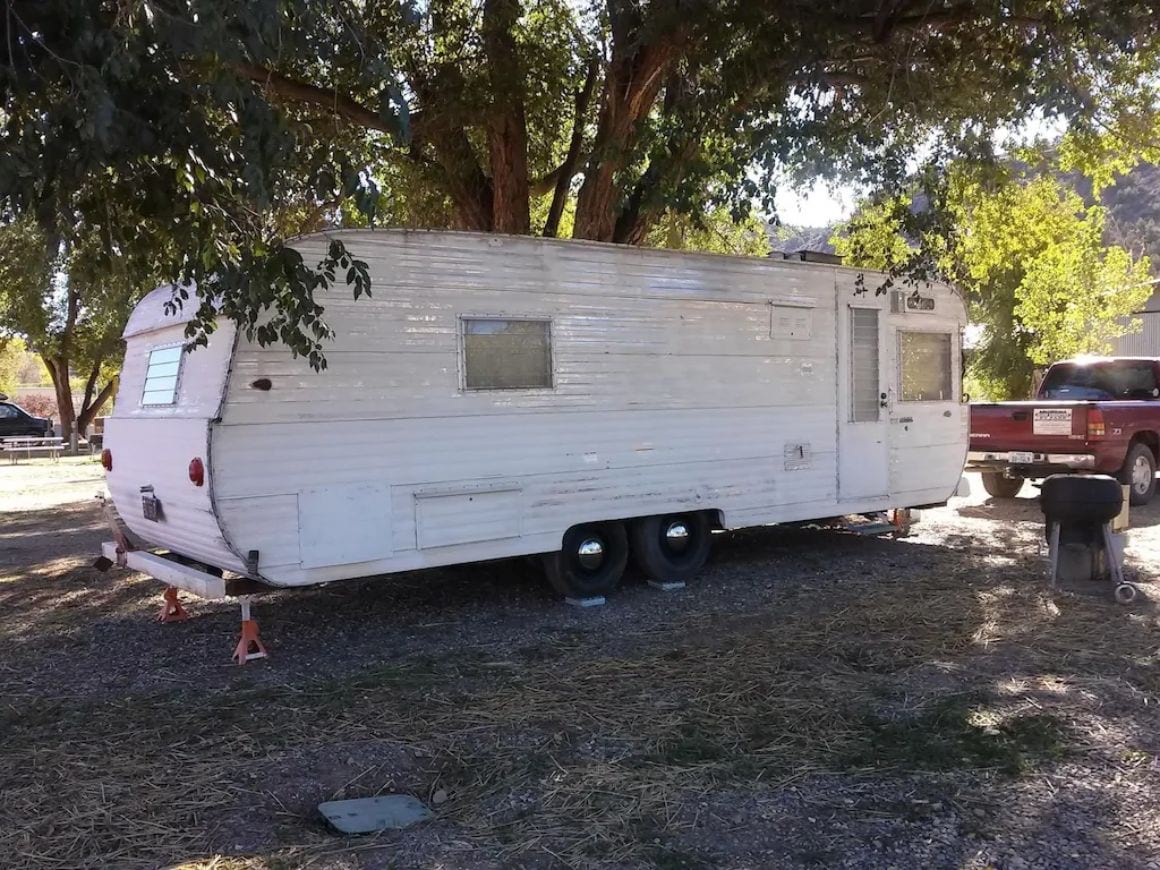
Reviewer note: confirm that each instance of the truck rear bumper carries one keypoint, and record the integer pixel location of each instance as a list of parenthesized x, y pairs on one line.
[(1075, 461), (1031, 465)]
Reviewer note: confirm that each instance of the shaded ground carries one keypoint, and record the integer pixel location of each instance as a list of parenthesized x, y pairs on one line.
[(815, 699)]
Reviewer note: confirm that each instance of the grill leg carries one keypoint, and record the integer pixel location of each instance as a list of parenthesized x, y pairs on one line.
[(1053, 553), (1114, 567)]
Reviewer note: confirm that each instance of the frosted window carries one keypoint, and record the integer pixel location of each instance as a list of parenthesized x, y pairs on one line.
[(161, 376), (925, 369), (864, 365), (506, 354)]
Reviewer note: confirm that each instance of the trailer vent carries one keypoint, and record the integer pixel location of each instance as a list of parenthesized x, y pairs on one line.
[(902, 302)]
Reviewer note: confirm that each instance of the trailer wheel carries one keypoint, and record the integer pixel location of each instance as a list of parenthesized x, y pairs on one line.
[(671, 548), (999, 485), (1139, 473), (591, 560)]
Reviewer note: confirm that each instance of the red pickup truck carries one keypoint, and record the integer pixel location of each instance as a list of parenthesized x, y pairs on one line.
[(1100, 415)]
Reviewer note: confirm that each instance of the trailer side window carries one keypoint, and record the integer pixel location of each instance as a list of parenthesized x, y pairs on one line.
[(925, 366), (863, 365), (161, 376), (506, 354)]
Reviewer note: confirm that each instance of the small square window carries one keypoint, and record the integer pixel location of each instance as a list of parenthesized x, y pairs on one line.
[(925, 366), (161, 376), (506, 354)]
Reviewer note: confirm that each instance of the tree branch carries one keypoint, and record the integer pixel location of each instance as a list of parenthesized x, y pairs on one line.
[(90, 384), (568, 168), (88, 412), (301, 92)]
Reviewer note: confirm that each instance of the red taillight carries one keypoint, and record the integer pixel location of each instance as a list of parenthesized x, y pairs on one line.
[(196, 472), (107, 459), (1095, 423)]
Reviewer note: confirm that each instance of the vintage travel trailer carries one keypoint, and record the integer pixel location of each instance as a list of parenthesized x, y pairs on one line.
[(504, 396)]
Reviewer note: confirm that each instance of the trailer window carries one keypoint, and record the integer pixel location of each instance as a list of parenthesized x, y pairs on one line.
[(925, 366), (503, 354), (161, 376), (864, 365)]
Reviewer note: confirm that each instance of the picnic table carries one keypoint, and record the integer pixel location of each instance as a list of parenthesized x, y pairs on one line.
[(28, 445)]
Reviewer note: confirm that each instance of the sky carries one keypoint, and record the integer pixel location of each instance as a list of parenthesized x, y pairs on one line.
[(823, 204), (816, 206)]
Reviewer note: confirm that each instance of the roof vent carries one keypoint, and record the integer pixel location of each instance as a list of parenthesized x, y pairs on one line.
[(805, 256)]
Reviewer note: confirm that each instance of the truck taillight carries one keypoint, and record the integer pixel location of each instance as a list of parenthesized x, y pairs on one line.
[(1095, 423), (107, 459), (196, 472)]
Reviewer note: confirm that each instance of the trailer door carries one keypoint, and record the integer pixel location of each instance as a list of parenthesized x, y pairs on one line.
[(863, 426)]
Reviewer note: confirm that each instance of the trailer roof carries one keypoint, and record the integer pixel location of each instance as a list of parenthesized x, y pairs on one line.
[(151, 312)]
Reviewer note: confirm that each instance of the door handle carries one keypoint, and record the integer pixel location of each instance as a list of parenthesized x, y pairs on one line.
[(905, 419)]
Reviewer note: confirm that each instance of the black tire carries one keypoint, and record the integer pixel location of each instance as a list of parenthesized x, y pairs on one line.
[(1140, 490), (999, 485), (574, 575), (667, 558)]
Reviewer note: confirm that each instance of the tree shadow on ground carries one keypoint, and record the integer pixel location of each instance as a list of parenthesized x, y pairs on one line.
[(711, 725)]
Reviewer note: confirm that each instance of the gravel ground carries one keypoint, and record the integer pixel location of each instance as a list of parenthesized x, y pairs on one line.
[(814, 699)]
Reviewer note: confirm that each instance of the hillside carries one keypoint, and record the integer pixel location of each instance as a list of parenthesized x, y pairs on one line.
[(788, 238), (1134, 212), (1133, 218)]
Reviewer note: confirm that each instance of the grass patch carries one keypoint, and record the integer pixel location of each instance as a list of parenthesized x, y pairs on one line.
[(562, 752), (950, 736)]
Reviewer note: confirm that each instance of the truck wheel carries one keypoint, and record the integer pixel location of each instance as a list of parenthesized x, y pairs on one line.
[(590, 562), (1139, 474), (1000, 486), (670, 548)]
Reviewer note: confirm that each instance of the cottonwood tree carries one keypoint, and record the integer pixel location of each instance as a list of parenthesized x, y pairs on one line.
[(60, 301), (1030, 255), (210, 121)]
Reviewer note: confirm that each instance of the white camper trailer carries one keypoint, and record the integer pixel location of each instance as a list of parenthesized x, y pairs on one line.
[(502, 396)]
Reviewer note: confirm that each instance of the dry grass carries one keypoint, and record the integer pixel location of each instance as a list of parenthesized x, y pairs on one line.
[(587, 759)]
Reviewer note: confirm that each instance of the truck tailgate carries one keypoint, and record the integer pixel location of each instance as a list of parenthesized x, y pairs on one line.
[(1042, 427)]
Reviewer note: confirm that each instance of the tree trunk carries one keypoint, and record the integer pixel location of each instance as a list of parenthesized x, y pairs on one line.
[(507, 130), (568, 168), (58, 370), (89, 412), (630, 91), (468, 187)]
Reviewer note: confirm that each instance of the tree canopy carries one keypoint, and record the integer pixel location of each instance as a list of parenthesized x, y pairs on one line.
[(1030, 255), (59, 295), (197, 136)]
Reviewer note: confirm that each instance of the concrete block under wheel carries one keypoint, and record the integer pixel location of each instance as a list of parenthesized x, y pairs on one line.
[(667, 585), (594, 601)]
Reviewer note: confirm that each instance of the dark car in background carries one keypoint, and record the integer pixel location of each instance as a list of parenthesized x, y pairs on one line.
[(15, 421)]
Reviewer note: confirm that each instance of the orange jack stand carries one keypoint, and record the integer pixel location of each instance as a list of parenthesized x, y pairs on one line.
[(902, 520), (250, 645), (171, 609)]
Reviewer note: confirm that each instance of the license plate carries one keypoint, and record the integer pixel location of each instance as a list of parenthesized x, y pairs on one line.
[(1021, 458), (151, 507)]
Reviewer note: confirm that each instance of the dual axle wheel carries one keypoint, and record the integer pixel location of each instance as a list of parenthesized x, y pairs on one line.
[(592, 560)]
